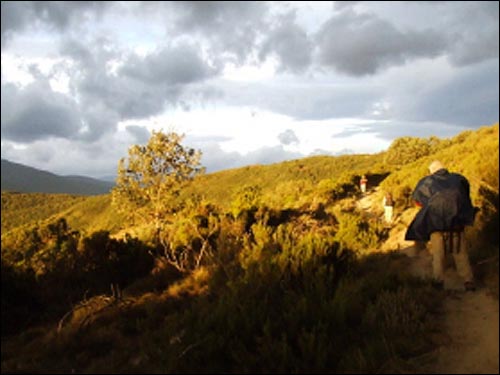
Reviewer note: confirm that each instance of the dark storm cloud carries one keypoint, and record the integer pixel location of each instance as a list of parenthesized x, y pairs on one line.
[(14, 18), (140, 87), (98, 120), (363, 44), (62, 14), (36, 112), (88, 57), (470, 99), (471, 29), (290, 44), (108, 97), (59, 15), (231, 26), (168, 66), (126, 97)]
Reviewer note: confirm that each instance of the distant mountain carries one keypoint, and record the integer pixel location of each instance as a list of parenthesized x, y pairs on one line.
[(21, 178), (108, 178)]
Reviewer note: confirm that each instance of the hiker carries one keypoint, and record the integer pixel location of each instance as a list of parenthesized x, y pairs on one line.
[(388, 204), (362, 183), (446, 208)]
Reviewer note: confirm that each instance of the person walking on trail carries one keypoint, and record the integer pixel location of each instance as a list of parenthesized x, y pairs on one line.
[(362, 183), (388, 204), (446, 208)]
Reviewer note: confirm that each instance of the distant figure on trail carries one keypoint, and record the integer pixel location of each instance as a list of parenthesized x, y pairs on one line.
[(446, 208), (388, 204), (362, 183)]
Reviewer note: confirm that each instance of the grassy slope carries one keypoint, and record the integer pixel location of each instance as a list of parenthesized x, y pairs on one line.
[(86, 214), (219, 187), (99, 209), (19, 209), (95, 212)]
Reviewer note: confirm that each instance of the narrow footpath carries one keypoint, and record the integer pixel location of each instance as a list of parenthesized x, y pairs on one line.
[(469, 342)]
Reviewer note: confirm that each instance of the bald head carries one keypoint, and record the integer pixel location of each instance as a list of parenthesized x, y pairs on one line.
[(435, 166)]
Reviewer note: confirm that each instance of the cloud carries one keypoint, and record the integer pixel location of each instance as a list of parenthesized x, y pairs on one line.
[(14, 18), (214, 158), (438, 92), (387, 131), (140, 87), (72, 157), (168, 66), (231, 27), (472, 31), (98, 120), (339, 5), (290, 43), (57, 15), (140, 133), (308, 99), (363, 44), (36, 112), (269, 155), (469, 99), (469, 30), (288, 137), (62, 14)]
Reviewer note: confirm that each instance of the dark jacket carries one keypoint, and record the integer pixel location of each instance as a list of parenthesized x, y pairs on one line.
[(446, 204)]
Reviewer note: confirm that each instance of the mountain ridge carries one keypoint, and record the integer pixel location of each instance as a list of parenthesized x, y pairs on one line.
[(25, 179)]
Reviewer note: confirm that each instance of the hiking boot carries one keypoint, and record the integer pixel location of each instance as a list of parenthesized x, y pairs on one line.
[(470, 286)]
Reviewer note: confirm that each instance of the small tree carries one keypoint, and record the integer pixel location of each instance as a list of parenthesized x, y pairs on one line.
[(152, 177)]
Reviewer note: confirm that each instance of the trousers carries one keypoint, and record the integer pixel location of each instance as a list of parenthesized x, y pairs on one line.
[(455, 243), (388, 210)]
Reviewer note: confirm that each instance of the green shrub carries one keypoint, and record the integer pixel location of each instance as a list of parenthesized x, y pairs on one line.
[(357, 233)]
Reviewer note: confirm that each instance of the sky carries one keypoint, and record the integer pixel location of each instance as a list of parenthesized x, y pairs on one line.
[(244, 82)]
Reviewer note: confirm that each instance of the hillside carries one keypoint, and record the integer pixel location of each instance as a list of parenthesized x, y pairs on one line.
[(290, 178), (288, 269), (20, 178), (22, 209), (287, 177)]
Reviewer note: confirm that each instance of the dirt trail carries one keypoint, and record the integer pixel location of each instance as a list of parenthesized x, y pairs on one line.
[(367, 201), (471, 326), (469, 343)]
